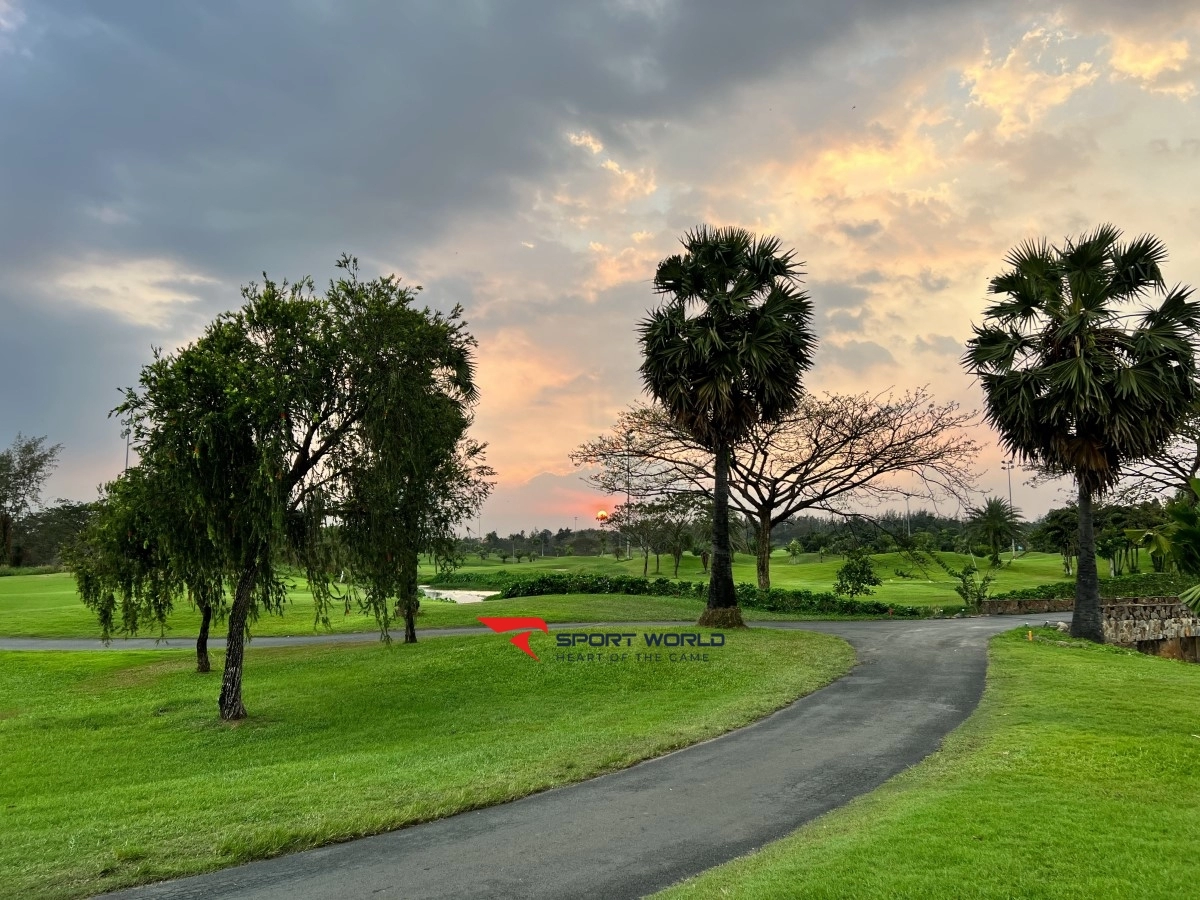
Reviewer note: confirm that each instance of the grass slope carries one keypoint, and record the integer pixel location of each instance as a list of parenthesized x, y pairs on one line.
[(117, 770), (1078, 776)]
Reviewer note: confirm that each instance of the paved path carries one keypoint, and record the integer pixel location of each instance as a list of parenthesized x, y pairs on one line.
[(633, 832)]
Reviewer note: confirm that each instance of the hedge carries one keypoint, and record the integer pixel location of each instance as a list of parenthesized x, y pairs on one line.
[(1151, 584)]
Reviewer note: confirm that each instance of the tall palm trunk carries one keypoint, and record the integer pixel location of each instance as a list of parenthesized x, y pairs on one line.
[(722, 610), (1086, 622), (202, 662), (763, 551), (230, 702)]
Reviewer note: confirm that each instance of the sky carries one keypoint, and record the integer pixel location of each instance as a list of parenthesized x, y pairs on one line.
[(533, 161)]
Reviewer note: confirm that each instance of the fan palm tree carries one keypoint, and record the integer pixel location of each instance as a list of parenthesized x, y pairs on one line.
[(1076, 384), (724, 351), (996, 523)]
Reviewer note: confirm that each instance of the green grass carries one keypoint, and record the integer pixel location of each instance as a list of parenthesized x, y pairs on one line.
[(930, 588), (117, 770), (47, 606), (1078, 776)]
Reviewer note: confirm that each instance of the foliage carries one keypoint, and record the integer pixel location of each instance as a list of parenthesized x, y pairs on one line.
[(972, 589), (831, 451), (326, 432), (39, 537), (24, 468), (1075, 386), (773, 600), (724, 352), (996, 524), (857, 575), (1145, 585)]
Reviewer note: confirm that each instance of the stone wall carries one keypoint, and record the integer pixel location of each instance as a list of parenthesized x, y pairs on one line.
[(1021, 607), (1132, 621)]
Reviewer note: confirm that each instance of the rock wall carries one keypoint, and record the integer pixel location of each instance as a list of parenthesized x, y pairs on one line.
[(1020, 607), (1134, 621)]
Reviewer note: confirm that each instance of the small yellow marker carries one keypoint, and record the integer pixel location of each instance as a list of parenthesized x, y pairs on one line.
[(1029, 635)]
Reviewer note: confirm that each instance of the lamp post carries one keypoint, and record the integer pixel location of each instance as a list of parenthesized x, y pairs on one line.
[(602, 520), (1008, 465)]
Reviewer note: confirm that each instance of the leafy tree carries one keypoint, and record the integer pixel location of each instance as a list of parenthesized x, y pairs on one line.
[(795, 550), (996, 524), (723, 353), (24, 468), (295, 429), (857, 574), (829, 453), (39, 537), (1075, 385)]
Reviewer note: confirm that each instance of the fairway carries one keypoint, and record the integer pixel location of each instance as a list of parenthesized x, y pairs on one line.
[(118, 771), (1078, 776), (49, 606)]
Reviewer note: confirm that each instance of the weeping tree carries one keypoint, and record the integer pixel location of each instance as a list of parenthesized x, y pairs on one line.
[(1075, 382), (725, 351), (280, 438)]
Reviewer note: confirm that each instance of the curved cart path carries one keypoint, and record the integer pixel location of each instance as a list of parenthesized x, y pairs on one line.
[(633, 832)]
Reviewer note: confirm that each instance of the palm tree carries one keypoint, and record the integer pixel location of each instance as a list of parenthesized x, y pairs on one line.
[(1075, 385), (724, 351), (996, 523)]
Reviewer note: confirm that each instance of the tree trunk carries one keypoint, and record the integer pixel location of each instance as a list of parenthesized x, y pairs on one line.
[(764, 551), (202, 663), (230, 703), (657, 563), (410, 603), (722, 610), (1086, 622), (678, 556), (6, 536), (646, 563)]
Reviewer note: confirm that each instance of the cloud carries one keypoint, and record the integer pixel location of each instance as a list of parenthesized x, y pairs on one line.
[(145, 292), (586, 140), (938, 344), (1030, 80), (1166, 67)]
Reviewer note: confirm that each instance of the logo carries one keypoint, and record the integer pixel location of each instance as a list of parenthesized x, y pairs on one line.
[(524, 624), (696, 645)]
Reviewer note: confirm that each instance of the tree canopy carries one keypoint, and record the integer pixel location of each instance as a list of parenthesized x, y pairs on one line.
[(724, 352), (832, 453), (24, 468), (326, 432), (1075, 384)]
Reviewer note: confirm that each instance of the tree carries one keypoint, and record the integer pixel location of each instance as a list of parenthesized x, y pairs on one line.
[(857, 575), (996, 524), (1058, 532), (39, 537), (295, 429), (830, 453), (1074, 385), (1167, 473), (24, 468), (725, 352)]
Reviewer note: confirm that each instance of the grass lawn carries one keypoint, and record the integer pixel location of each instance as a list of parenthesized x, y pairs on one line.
[(117, 770), (933, 587), (48, 606), (1078, 776)]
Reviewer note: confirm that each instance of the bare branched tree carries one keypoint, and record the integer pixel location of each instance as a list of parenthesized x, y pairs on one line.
[(1167, 472), (836, 451)]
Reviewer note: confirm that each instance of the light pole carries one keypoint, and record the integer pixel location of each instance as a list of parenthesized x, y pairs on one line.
[(1008, 465)]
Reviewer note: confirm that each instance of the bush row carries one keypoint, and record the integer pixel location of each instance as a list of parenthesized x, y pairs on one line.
[(749, 596), (1151, 584)]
